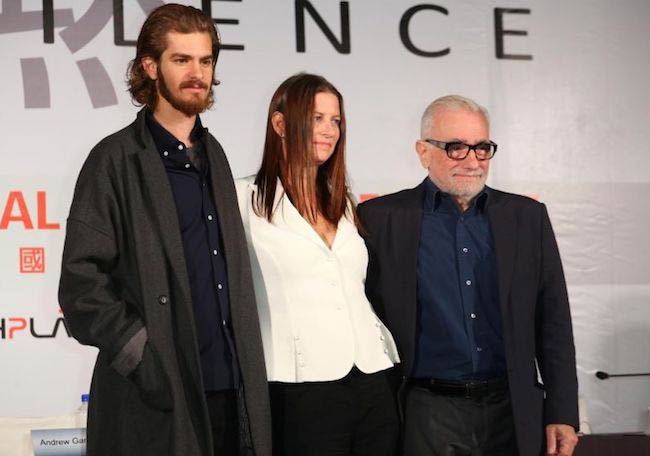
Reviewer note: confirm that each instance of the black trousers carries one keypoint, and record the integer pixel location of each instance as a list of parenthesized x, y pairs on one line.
[(222, 408), (440, 425), (356, 415)]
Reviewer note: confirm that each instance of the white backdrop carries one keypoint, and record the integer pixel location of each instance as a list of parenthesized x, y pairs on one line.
[(571, 123)]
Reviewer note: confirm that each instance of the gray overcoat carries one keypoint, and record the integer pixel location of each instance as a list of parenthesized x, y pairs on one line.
[(124, 289)]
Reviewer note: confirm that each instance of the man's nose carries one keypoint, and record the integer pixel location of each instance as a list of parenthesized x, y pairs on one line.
[(470, 159), (196, 69)]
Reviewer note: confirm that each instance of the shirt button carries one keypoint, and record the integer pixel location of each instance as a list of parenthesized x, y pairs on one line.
[(381, 337), (180, 147), (385, 350), (209, 217), (187, 165), (214, 252), (165, 153), (465, 250), (473, 315), (468, 282), (296, 337), (479, 349), (219, 286), (377, 324), (162, 300), (223, 322)]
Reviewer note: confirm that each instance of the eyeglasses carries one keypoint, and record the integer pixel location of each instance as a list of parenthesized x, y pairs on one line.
[(457, 150)]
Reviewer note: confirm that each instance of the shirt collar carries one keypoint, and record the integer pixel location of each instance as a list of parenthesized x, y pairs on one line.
[(434, 198), (165, 141)]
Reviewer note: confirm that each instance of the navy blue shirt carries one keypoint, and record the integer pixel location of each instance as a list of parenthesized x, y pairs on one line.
[(459, 326), (188, 173)]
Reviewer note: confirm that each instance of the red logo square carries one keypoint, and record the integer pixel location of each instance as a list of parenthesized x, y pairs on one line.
[(32, 260)]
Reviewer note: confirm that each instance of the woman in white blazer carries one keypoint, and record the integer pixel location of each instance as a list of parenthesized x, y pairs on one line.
[(327, 354)]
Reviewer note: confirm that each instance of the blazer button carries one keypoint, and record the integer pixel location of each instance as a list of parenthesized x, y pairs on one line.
[(163, 300)]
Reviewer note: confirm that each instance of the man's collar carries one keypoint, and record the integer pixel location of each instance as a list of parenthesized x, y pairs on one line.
[(433, 197), (164, 140)]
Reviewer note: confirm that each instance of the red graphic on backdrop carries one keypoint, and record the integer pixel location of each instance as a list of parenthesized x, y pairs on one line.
[(367, 196), (12, 326), (32, 260), (16, 211)]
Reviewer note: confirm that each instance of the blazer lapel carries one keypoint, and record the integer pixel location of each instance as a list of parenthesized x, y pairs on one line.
[(503, 224), (405, 225), (407, 228), (286, 214), (345, 230)]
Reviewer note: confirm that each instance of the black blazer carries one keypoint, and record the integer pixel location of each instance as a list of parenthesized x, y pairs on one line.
[(532, 295)]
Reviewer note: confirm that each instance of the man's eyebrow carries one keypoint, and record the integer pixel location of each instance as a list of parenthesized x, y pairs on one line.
[(188, 56)]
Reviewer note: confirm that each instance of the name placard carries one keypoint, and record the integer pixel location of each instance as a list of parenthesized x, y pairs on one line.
[(59, 442)]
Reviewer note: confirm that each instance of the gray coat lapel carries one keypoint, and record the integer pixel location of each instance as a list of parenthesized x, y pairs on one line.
[(163, 208), (165, 219), (246, 328)]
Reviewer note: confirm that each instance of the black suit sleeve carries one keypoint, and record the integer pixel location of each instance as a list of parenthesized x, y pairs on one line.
[(369, 233)]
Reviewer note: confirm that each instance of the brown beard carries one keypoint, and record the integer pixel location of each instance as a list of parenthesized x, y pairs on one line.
[(191, 107)]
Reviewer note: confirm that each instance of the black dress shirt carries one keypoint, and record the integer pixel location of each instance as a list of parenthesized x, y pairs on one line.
[(459, 321), (187, 170)]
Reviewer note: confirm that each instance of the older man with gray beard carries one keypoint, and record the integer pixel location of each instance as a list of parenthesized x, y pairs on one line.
[(469, 281)]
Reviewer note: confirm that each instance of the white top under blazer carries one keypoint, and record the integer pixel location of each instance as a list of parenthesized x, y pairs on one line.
[(315, 318)]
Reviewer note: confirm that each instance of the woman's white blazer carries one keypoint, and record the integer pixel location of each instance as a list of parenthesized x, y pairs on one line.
[(315, 318)]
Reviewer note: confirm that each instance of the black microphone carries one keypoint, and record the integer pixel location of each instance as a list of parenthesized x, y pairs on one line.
[(604, 375)]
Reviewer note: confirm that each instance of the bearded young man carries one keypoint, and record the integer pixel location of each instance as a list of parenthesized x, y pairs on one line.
[(155, 267), (469, 281)]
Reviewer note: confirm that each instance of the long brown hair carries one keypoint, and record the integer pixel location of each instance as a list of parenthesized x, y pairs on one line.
[(152, 42), (294, 164)]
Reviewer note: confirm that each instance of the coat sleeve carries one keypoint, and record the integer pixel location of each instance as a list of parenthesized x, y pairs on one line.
[(369, 228), (556, 353), (90, 292)]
